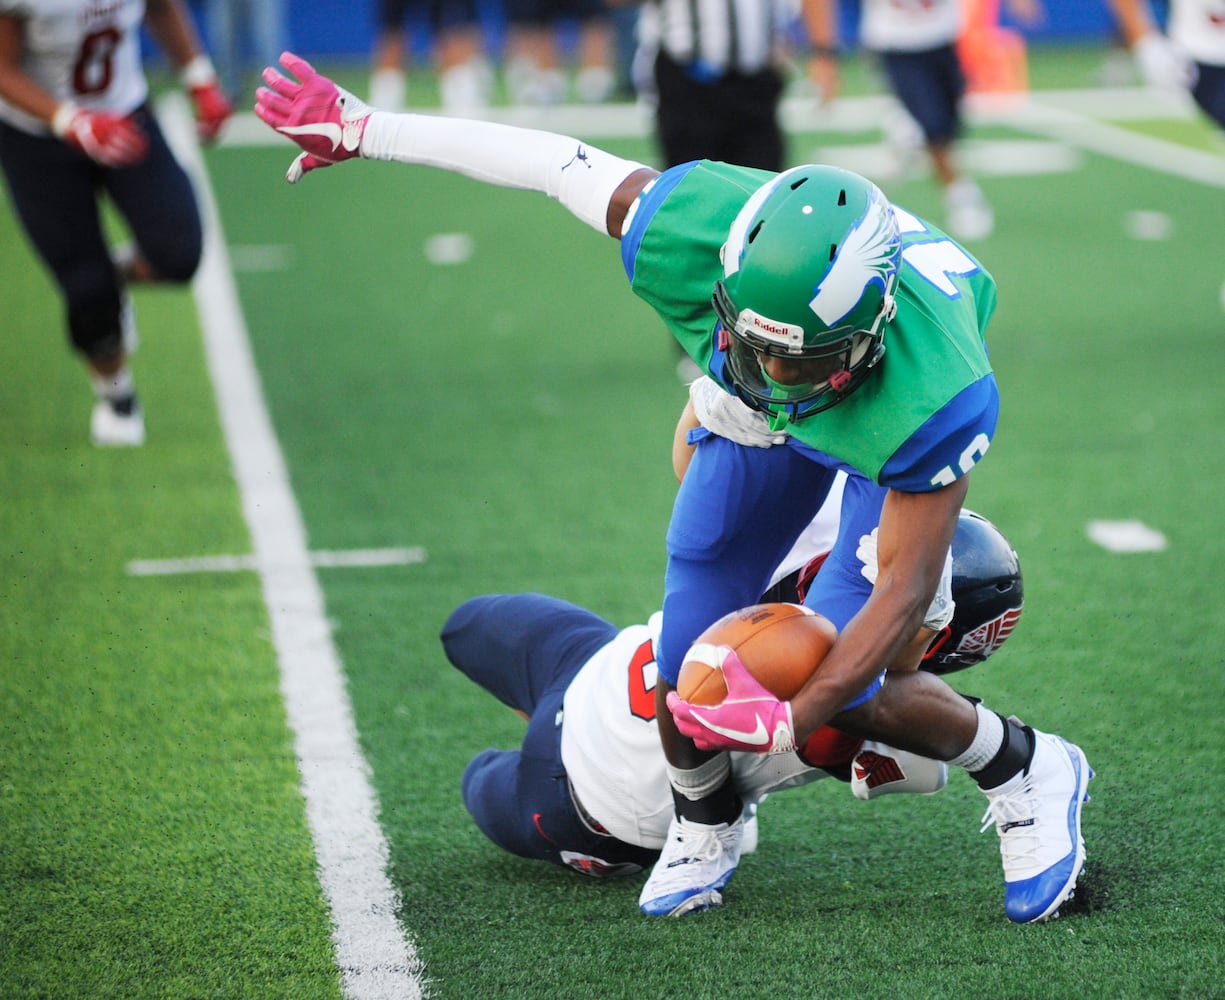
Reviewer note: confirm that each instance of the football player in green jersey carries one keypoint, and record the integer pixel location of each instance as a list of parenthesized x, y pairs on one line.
[(855, 330)]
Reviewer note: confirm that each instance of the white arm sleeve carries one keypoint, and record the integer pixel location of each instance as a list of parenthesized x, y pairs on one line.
[(581, 177)]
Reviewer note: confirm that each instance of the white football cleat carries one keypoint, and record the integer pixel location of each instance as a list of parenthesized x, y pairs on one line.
[(111, 428), (388, 89), (595, 84), (696, 863), (881, 770), (969, 215), (466, 90), (1037, 816)]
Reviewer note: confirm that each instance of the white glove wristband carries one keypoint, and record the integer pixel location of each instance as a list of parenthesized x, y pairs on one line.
[(722, 413), (197, 73), (63, 117), (581, 177), (1161, 64)]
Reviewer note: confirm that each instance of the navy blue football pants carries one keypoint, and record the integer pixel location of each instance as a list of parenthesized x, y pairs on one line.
[(930, 84), (525, 649)]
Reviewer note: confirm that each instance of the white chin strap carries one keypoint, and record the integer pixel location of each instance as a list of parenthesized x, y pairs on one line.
[(858, 351)]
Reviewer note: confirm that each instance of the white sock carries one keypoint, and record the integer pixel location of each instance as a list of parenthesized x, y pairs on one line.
[(702, 780), (986, 743), (121, 385)]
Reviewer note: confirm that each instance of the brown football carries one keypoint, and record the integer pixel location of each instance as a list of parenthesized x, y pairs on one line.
[(779, 644)]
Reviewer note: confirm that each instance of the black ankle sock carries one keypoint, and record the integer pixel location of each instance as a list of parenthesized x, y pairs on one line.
[(1013, 756), (124, 405), (722, 806)]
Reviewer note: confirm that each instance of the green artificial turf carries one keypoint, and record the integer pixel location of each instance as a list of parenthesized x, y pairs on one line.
[(152, 842), (511, 413)]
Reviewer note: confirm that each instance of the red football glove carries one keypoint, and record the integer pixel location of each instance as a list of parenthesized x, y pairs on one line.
[(829, 747), (324, 119), (213, 110), (111, 140), (749, 718)]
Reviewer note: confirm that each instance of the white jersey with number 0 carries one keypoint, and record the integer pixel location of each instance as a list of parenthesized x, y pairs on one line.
[(87, 51), (909, 25)]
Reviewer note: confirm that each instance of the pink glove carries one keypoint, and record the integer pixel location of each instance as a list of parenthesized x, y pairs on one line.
[(111, 140), (749, 718), (213, 110), (324, 119)]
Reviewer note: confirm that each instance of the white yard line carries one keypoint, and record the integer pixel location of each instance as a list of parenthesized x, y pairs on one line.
[(375, 958), (1076, 129), (233, 564), (1126, 536)]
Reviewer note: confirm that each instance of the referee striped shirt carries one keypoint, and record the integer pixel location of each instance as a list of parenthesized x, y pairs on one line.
[(718, 35)]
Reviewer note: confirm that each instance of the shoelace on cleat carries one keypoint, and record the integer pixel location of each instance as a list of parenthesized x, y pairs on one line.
[(1012, 815)]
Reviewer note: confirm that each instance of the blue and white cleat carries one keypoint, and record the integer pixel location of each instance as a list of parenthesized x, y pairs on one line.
[(696, 863), (1037, 816)]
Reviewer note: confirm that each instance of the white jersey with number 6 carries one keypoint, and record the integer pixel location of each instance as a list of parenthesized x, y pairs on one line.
[(610, 742)]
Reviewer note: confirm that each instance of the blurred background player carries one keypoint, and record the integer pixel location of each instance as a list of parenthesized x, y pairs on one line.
[(536, 58), (75, 123), (465, 80), (915, 42), (244, 34), (1189, 55), (715, 74)]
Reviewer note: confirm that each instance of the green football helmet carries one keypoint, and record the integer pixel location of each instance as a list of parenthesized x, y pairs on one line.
[(809, 271)]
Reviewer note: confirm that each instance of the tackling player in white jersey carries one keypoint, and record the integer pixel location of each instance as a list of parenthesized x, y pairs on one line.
[(588, 788)]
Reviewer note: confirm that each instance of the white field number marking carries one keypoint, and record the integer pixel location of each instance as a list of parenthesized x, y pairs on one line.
[(1126, 536)]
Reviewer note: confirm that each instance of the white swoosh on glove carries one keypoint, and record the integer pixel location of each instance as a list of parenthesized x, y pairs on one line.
[(328, 130), (758, 737)]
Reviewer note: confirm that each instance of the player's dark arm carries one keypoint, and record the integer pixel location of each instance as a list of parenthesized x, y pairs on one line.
[(16, 87), (623, 198), (916, 530)]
